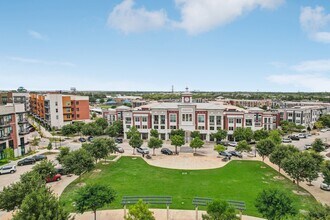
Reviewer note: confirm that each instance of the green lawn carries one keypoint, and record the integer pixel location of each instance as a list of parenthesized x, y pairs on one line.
[(239, 180)]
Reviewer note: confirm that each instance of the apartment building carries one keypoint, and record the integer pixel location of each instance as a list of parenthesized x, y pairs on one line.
[(190, 116), (303, 115), (13, 129), (55, 110), (16, 97), (249, 103)]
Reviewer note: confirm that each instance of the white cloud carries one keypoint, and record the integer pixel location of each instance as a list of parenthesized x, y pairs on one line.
[(316, 23), (37, 35), (43, 62), (315, 66), (199, 16), (128, 19), (313, 82)]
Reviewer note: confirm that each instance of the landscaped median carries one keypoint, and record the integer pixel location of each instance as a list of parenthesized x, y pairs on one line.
[(238, 180)]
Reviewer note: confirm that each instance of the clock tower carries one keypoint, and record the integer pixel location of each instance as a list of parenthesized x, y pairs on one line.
[(187, 96)]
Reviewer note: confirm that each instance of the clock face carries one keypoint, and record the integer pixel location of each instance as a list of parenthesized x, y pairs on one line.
[(186, 99)]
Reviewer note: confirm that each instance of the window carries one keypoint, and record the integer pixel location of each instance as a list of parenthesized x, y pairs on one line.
[(231, 128), (248, 122), (173, 127), (77, 102), (186, 117), (128, 120), (239, 121), (212, 128), (137, 119), (162, 127), (156, 119), (290, 114), (144, 126), (212, 120), (128, 126), (201, 118), (201, 128), (156, 127), (56, 103), (218, 120), (77, 109), (144, 118), (56, 110), (162, 119), (230, 120), (298, 115), (78, 116), (56, 117), (138, 126), (172, 117)]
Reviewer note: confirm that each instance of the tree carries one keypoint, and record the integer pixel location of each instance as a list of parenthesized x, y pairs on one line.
[(12, 196), (119, 126), (195, 134), (296, 166), (179, 132), (45, 169), (239, 134), (35, 141), (248, 134), (318, 212), (220, 135), (177, 141), (139, 211), (49, 146), (265, 147), (78, 162), (64, 151), (288, 127), (93, 197), (280, 153), (154, 133), (274, 204), (196, 143), (318, 125), (41, 204), (135, 141), (69, 129), (260, 135), (326, 172), (101, 122), (219, 210), (98, 149), (275, 136), (132, 131), (92, 129), (317, 145), (218, 148), (155, 143), (243, 146), (9, 153), (79, 125), (112, 131)]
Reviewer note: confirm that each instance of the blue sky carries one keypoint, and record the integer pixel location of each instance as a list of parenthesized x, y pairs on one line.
[(210, 45)]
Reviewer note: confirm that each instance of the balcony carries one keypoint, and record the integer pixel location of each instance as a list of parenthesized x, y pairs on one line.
[(22, 121), (5, 124), (24, 132), (4, 138)]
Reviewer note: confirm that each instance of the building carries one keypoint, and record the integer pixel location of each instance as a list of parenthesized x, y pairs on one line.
[(56, 110), (190, 116), (249, 103), (13, 129), (16, 97), (303, 115)]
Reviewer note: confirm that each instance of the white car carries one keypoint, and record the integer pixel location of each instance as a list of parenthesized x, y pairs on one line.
[(308, 146), (286, 140), (8, 169), (324, 130), (142, 150), (233, 144), (325, 186), (302, 135)]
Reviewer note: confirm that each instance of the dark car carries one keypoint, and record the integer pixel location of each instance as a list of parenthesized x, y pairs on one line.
[(225, 154), (119, 140), (56, 177), (166, 151), (90, 138), (61, 171), (119, 150), (236, 154), (294, 138), (26, 161), (224, 143), (39, 157), (82, 139)]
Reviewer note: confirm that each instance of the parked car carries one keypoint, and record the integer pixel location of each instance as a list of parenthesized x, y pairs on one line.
[(119, 150), (308, 146), (324, 130), (326, 145), (224, 143), (26, 161), (39, 157), (56, 177), (302, 135), (294, 138), (225, 154), (236, 154), (60, 170), (8, 169), (142, 150), (119, 140), (286, 140), (82, 140), (90, 138), (166, 151), (233, 144), (325, 186)]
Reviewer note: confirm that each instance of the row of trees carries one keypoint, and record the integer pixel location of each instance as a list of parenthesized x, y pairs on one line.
[(97, 128)]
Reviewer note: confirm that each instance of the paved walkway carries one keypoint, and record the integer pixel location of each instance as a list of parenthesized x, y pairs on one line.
[(160, 214)]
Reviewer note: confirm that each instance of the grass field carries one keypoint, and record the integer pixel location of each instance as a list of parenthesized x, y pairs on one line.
[(239, 180)]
